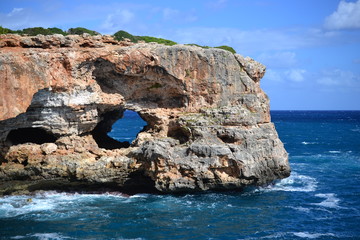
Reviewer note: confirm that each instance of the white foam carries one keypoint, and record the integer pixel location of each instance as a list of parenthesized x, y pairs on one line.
[(307, 143), (43, 236), (51, 204), (313, 235), (331, 201), (355, 129), (302, 209), (294, 183), (334, 151)]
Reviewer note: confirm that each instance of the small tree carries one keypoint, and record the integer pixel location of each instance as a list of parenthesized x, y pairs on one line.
[(4, 30), (35, 31), (55, 30), (121, 35), (80, 31)]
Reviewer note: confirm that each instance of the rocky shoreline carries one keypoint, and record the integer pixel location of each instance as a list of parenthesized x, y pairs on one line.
[(208, 119)]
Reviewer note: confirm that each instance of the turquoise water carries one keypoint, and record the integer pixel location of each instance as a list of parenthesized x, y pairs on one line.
[(320, 200)]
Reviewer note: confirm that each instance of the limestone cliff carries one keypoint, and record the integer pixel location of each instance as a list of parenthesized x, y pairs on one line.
[(208, 119)]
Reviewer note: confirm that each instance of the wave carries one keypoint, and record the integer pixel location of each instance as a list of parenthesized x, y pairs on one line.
[(355, 130), (52, 204), (334, 151), (307, 143), (55, 236), (293, 235), (331, 201), (312, 235), (294, 183), (43, 236)]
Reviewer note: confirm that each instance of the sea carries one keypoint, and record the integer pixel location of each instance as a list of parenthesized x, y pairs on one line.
[(320, 200)]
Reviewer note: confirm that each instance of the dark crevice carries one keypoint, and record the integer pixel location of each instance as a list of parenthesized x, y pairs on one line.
[(179, 132), (30, 135), (227, 139), (139, 183)]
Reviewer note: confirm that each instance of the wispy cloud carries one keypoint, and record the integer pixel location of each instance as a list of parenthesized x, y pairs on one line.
[(347, 16), (118, 20), (282, 59), (15, 11), (339, 78), (255, 42), (176, 15), (216, 4), (295, 75)]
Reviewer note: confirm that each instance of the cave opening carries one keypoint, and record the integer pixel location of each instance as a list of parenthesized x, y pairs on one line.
[(30, 135), (118, 129)]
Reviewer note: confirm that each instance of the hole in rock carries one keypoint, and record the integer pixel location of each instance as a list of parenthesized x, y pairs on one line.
[(227, 139), (30, 135), (118, 129), (180, 133)]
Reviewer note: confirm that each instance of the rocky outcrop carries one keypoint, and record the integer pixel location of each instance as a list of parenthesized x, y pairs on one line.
[(208, 119)]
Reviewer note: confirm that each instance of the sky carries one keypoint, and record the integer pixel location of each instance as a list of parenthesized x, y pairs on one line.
[(311, 48)]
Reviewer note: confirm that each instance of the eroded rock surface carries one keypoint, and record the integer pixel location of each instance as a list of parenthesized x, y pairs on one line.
[(208, 119)]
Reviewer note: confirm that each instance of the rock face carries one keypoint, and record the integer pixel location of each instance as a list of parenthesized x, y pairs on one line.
[(208, 119)]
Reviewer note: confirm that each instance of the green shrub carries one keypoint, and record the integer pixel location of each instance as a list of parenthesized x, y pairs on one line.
[(35, 31), (4, 30), (157, 40), (121, 35), (80, 31), (227, 48), (197, 45), (55, 30)]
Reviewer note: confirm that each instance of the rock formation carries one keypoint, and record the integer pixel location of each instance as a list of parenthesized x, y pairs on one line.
[(208, 119)]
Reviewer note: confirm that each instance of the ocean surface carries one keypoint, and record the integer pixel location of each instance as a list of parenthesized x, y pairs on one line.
[(320, 200)]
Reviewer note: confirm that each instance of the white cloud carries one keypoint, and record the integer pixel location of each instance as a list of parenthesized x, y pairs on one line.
[(169, 13), (347, 16), (15, 11), (273, 75), (18, 18), (278, 59), (292, 75), (296, 75), (339, 78), (118, 20)]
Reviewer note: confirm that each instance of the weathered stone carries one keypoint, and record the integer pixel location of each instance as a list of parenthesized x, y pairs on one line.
[(48, 148), (208, 119)]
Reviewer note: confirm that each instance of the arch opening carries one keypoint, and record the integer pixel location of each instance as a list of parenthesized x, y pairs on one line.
[(118, 129), (30, 135)]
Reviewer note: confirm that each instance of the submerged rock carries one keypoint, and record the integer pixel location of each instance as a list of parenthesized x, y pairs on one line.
[(208, 119)]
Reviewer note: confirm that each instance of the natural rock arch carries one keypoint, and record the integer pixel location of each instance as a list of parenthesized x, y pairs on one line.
[(208, 119)]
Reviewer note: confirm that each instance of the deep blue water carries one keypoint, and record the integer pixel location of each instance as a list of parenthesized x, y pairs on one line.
[(320, 200), (127, 128)]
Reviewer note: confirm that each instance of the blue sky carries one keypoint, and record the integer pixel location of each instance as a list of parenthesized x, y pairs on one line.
[(311, 47)]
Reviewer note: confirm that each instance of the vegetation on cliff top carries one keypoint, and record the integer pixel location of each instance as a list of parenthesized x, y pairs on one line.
[(120, 35), (47, 31)]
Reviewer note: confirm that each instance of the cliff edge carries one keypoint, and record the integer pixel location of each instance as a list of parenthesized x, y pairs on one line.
[(208, 119)]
